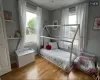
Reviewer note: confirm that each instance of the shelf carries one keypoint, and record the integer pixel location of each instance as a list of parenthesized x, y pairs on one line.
[(9, 21), (13, 38)]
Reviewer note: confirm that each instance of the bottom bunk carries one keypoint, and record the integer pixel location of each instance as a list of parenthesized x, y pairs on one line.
[(58, 57)]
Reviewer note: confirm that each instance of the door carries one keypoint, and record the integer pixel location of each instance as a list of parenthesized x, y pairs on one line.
[(4, 52)]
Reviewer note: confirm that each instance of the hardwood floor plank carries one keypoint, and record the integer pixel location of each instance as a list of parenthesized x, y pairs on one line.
[(41, 69)]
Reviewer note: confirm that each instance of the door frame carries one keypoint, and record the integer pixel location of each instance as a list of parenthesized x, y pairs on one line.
[(8, 69)]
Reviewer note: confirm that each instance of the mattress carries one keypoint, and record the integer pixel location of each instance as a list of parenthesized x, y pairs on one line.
[(59, 57)]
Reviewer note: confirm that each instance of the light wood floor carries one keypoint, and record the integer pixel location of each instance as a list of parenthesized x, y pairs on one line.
[(41, 69)]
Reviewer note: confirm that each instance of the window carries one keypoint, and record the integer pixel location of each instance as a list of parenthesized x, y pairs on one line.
[(70, 30), (31, 17), (72, 20)]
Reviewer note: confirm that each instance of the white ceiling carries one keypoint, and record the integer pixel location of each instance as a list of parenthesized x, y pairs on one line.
[(54, 4)]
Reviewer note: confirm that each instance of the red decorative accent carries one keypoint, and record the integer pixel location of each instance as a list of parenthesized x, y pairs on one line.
[(48, 47)]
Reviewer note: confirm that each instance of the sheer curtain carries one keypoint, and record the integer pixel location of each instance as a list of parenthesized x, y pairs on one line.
[(39, 26), (64, 21), (22, 18), (82, 18)]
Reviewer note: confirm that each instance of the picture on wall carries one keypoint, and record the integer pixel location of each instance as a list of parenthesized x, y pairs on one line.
[(97, 23), (7, 15), (55, 22)]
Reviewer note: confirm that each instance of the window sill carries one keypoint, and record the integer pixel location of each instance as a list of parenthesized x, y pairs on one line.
[(29, 43)]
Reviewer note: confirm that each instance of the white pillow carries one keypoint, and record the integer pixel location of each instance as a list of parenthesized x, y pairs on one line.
[(46, 41), (53, 45)]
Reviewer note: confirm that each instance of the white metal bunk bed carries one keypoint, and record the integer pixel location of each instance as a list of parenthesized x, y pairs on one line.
[(59, 57)]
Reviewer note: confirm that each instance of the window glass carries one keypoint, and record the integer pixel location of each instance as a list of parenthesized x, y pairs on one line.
[(30, 36), (70, 30), (72, 20)]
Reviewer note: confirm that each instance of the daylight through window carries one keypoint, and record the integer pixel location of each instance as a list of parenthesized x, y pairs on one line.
[(30, 36)]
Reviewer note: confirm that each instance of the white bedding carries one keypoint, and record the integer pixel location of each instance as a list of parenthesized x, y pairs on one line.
[(59, 57)]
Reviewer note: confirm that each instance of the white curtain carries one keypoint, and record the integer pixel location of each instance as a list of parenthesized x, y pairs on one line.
[(22, 18), (64, 21), (82, 18), (39, 26)]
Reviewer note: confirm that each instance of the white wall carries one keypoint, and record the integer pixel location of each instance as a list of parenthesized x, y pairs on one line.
[(93, 45)]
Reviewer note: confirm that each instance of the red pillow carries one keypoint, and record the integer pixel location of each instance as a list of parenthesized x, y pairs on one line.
[(48, 47)]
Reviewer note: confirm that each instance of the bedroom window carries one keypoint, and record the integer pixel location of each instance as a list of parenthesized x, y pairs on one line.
[(31, 17), (72, 19)]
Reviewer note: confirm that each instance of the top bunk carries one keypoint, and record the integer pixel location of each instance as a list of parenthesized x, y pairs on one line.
[(50, 29)]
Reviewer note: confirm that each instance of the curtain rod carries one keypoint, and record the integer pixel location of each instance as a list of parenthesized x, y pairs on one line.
[(72, 5), (31, 3), (35, 5)]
